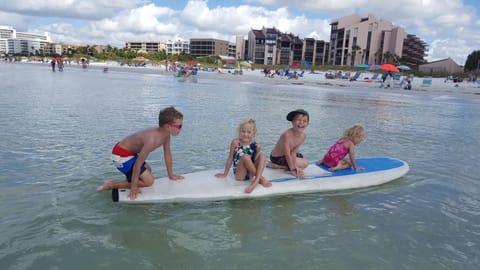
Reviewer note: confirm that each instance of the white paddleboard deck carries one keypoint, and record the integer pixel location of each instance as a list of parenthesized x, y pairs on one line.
[(204, 186)]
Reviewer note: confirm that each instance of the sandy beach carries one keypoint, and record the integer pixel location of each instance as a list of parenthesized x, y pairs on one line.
[(467, 90)]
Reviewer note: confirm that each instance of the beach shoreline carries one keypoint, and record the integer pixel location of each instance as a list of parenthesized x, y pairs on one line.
[(439, 87)]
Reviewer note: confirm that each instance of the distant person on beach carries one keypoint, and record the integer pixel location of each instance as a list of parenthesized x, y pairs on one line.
[(53, 63), (388, 79), (245, 156), (59, 63), (285, 154), (84, 63), (408, 85), (129, 154), (335, 157)]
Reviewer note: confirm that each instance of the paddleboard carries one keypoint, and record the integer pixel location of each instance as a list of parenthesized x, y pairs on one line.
[(204, 186)]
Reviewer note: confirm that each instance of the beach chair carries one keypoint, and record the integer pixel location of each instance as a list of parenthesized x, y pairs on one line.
[(426, 83), (374, 77), (399, 83), (355, 77)]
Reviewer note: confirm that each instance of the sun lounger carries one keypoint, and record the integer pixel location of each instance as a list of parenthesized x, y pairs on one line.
[(399, 83), (355, 77), (426, 83)]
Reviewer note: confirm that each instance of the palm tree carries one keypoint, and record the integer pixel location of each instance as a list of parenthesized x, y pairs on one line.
[(387, 56), (355, 48)]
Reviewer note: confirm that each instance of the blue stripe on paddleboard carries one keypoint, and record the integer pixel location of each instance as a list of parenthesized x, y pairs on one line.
[(370, 164)]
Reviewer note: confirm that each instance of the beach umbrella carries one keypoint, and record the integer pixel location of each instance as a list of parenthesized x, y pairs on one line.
[(362, 66), (374, 67), (245, 64), (389, 67), (192, 63), (403, 67), (294, 65)]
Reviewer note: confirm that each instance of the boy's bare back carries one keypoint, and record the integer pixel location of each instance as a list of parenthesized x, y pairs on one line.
[(145, 140)]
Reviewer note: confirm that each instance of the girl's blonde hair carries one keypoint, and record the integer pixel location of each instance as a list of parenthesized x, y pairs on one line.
[(357, 131), (248, 122)]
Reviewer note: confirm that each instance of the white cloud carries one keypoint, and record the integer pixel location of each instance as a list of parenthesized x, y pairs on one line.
[(324, 6), (449, 26), (72, 9)]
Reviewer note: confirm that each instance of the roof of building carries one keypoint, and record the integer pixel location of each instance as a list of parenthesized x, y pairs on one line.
[(439, 61), (258, 33)]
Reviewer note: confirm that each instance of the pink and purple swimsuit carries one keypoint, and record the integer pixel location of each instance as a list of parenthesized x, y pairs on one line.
[(336, 153)]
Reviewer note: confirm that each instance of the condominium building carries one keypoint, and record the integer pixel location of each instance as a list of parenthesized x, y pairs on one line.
[(240, 48), (269, 46), (315, 51), (210, 47), (176, 47), (146, 46), (414, 51), (13, 42), (355, 39)]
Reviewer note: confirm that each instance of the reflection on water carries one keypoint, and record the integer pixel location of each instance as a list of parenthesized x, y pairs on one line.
[(58, 130)]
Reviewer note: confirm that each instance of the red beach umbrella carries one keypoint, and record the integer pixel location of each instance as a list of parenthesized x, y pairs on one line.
[(389, 67), (294, 65), (192, 63)]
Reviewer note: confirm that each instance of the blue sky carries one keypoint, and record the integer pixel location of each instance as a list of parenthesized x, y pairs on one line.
[(450, 27)]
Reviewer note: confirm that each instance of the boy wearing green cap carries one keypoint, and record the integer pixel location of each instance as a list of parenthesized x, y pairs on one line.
[(285, 153)]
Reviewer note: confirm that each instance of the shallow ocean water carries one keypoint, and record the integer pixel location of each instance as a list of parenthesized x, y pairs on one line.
[(58, 129)]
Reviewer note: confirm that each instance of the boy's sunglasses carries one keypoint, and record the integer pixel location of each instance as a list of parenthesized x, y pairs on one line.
[(176, 125)]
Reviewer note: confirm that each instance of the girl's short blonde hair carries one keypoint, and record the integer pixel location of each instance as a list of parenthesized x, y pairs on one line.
[(357, 131), (248, 122)]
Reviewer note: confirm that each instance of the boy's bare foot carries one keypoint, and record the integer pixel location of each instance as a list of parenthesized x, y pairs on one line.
[(106, 185), (264, 182), (250, 188)]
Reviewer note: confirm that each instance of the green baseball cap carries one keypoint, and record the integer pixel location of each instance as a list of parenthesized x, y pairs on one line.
[(292, 114)]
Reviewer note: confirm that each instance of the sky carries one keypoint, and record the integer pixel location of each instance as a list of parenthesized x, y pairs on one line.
[(451, 28)]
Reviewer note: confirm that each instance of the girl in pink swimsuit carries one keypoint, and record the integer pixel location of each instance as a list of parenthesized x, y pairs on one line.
[(335, 157)]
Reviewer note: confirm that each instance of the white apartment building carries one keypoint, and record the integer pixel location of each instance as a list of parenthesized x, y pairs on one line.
[(13, 42), (175, 47), (171, 47)]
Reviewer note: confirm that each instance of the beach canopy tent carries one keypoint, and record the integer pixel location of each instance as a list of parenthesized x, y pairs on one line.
[(362, 66), (296, 64), (245, 64), (389, 67), (403, 67), (227, 59), (307, 64), (141, 59)]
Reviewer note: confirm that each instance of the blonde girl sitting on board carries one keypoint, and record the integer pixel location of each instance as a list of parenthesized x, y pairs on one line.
[(248, 162), (335, 157)]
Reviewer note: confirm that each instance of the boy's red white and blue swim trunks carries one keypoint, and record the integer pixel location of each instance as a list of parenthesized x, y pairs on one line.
[(124, 160)]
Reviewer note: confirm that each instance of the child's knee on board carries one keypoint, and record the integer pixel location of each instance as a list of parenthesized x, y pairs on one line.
[(261, 157), (302, 163), (148, 182)]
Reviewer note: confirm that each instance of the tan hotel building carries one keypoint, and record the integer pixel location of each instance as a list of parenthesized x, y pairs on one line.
[(355, 39)]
